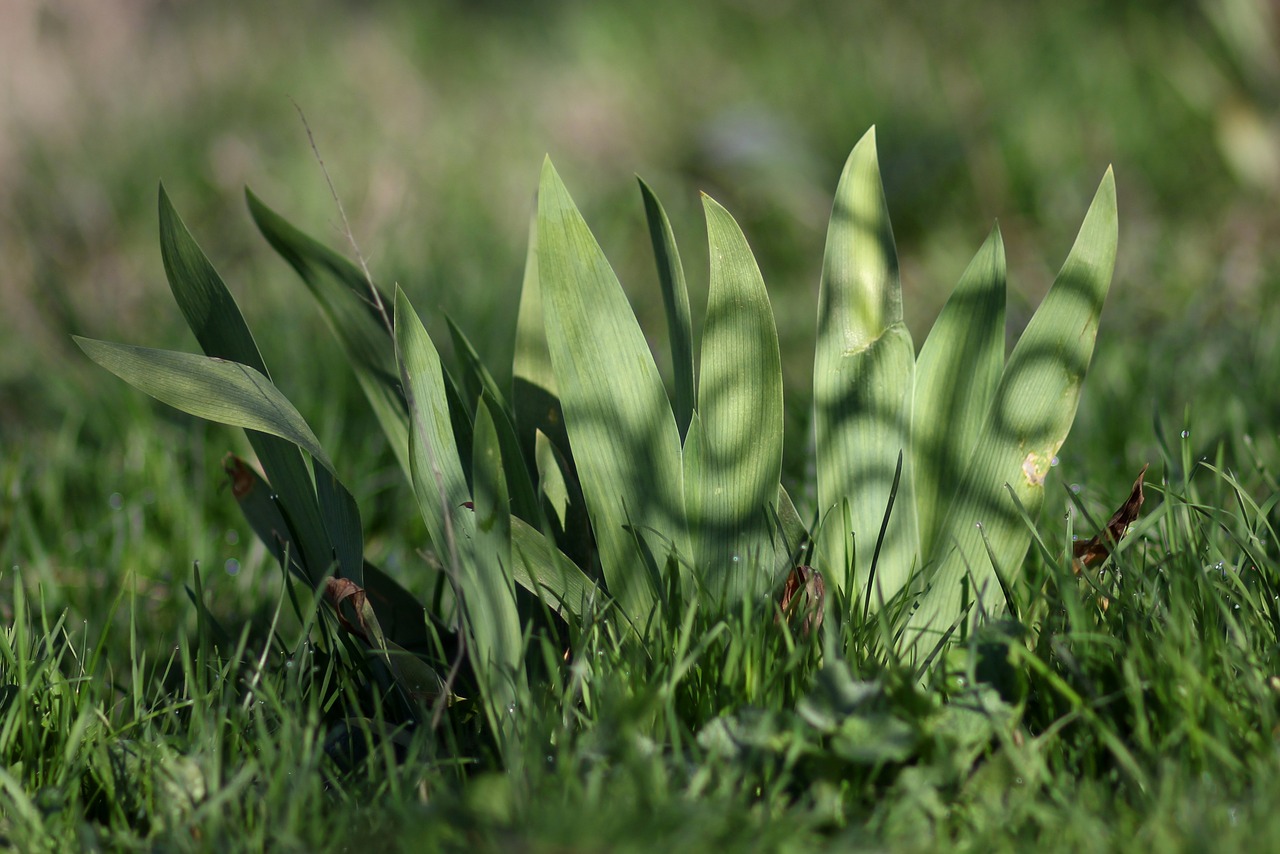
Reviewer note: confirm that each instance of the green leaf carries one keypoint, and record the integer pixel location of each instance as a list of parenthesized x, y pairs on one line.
[(220, 328), (956, 378), (436, 473), (488, 585), (209, 388), (356, 312), (862, 384), (621, 430), (550, 574), (534, 392), (675, 299), (479, 382), (740, 409), (551, 480), (1034, 406)]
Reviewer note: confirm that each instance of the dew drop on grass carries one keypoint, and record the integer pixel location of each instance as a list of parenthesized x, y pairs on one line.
[(1053, 462), (1186, 434), (116, 501), (232, 566), (232, 537)]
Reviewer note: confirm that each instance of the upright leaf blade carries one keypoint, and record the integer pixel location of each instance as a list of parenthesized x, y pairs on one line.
[(488, 583), (1034, 406), (862, 385), (535, 393), (220, 328), (480, 383), (956, 378), (621, 430), (356, 312), (675, 299), (740, 407), (436, 472)]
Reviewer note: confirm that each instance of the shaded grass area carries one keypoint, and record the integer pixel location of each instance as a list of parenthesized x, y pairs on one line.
[(1150, 721), (128, 719)]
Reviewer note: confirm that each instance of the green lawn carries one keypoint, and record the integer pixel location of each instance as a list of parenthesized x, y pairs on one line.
[(162, 686)]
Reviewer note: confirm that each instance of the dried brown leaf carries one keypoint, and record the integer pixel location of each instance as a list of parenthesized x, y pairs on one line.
[(339, 590), (804, 593), (1092, 552)]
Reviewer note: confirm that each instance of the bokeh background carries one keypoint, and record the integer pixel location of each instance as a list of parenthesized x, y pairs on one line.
[(433, 118)]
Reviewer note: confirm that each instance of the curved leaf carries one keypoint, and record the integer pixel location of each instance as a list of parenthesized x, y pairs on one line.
[(1030, 416), (213, 389), (956, 377), (328, 529), (356, 312), (740, 408)]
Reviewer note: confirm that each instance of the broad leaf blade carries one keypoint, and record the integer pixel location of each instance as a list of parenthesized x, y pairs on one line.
[(209, 388), (956, 378), (220, 328), (740, 407), (550, 574), (1034, 406), (480, 383), (356, 311), (436, 473), (534, 393), (624, 438), (675, 299), (862, 385), (488, 585)]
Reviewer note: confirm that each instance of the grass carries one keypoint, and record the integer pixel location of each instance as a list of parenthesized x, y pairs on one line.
[(130, 717), (1150, 722)]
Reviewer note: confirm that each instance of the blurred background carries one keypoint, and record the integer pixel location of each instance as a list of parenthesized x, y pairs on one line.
[(433, 119)]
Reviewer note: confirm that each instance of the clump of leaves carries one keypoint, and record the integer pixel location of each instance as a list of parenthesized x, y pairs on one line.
[(926, 466)]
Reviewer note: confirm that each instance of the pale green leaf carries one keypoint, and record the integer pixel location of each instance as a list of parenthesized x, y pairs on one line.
[(1030, 416), (534, 393), (438, 481), (956, 377), (740, 408), (621, 430), (213, 389), (550, 574), (862, 385), (675, 299)]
